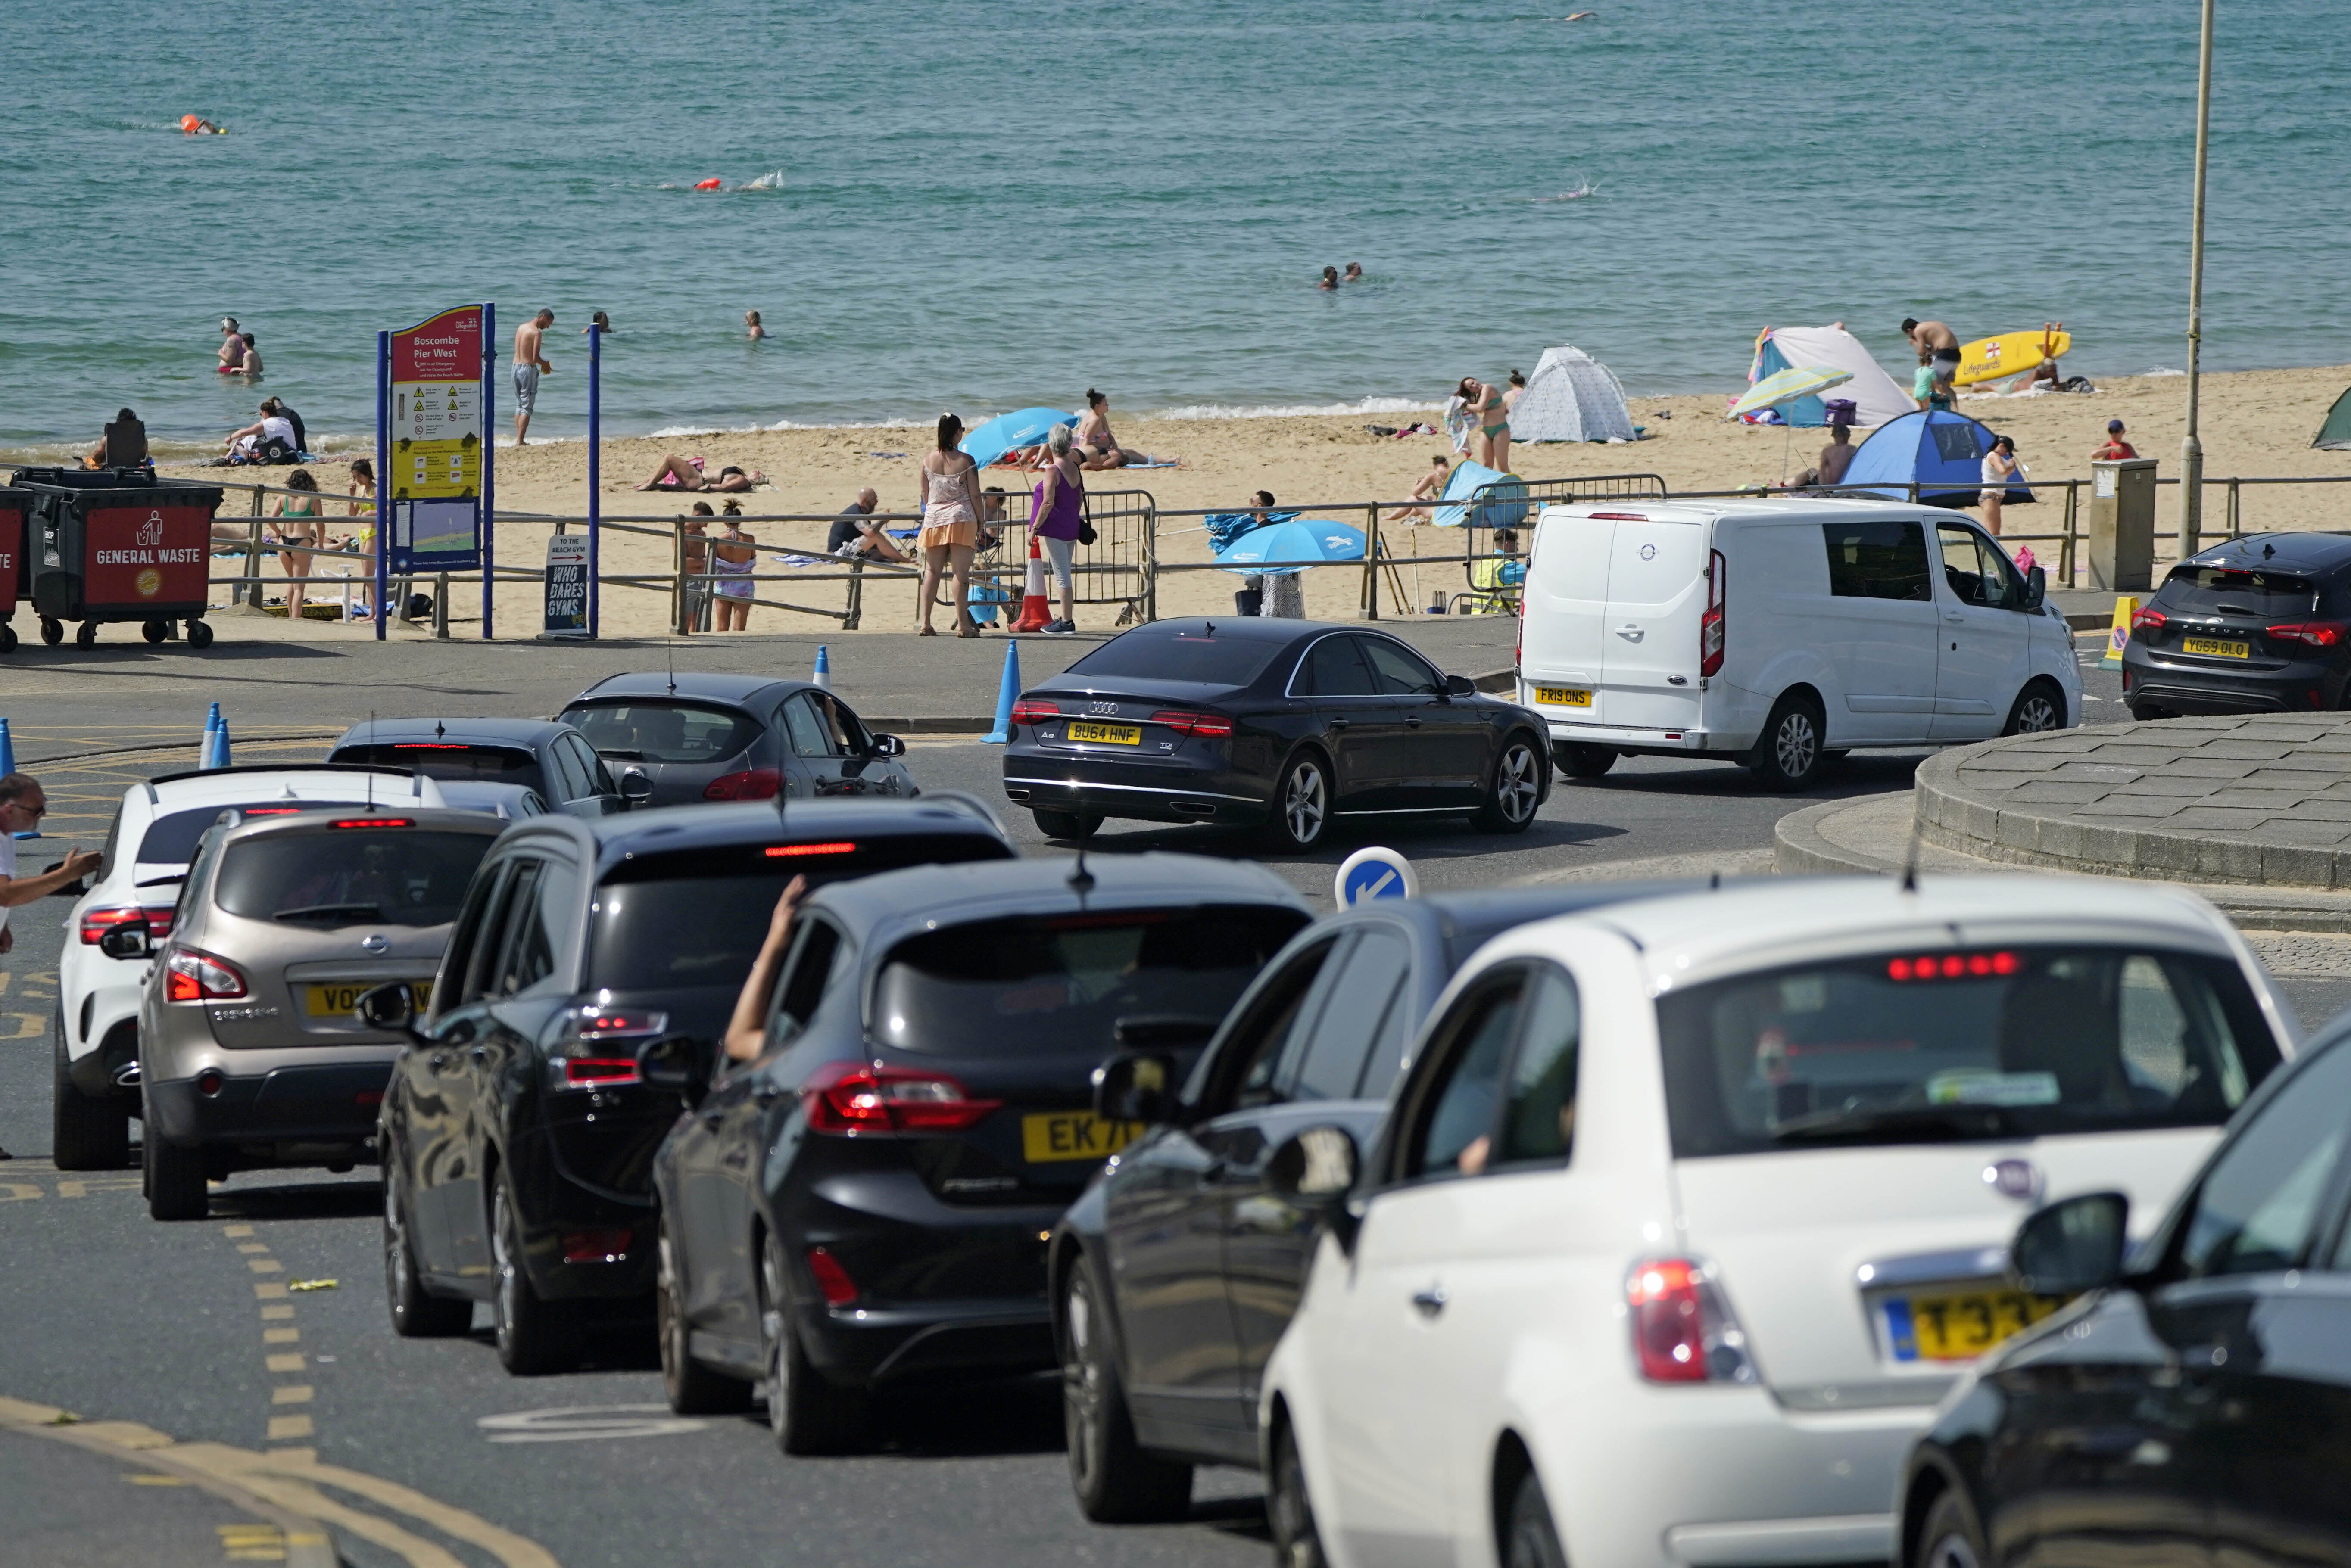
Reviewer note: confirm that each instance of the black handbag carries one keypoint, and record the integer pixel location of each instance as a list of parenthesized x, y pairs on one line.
[(1086, 535)]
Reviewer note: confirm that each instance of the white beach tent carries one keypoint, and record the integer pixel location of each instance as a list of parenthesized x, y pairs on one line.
[(1571, 397), (1876, 399)]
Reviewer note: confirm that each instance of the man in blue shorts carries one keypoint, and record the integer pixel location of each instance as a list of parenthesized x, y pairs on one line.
[(528, 366)]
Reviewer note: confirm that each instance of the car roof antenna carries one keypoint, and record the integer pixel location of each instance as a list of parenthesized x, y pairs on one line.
[(1910, 862), (370, 782), (1081, 881), (671, 649), (440, 730)]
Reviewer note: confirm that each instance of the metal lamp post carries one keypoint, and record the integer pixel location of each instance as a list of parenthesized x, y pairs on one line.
[(2191, 448)]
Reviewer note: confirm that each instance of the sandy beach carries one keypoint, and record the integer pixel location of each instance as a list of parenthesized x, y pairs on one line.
[(2254, 423)]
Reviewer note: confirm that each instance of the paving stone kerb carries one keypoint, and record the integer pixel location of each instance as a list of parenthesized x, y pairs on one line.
[(2261, 801)]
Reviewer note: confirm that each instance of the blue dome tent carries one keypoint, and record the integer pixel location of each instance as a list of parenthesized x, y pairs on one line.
[(1942, 452)]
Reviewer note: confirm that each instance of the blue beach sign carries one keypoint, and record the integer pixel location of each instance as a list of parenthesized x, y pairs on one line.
[(433, 461), (1373, 872)]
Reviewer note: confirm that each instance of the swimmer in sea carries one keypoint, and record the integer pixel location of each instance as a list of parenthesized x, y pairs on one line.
[(191, 125), (751, 321), (1354, 273), (597, 320), (231, 349), (1330, 279)]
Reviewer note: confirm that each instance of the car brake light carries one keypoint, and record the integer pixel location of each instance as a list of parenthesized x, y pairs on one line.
[(2149, 619), (374, 822), (191, 976), (1208, 726), (752, 783), (1712, 630), (831, 1278), (96, 923), (1034, 711), (1620, 516), (430, 746), (1682, 1328), (794, 851), (2316, 633), (852, 1098), (596, 1246), (593, 1047), (1952, 966)]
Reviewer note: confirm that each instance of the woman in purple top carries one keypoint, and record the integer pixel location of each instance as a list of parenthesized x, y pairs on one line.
[(1060, 505)]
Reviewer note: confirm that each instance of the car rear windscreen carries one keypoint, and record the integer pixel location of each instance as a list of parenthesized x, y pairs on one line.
[(659, 731), (1930, 1047), (1059, 984), (1157, 654), (2216, 590), (696, 917), (171, 840), (351, 876), (455, 760)]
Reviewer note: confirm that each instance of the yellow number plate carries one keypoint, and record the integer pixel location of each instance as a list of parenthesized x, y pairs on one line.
[(1107, 734), (2215, 647), (1960, 1327), (1073, 1135), (1563, 696), (338, 1000)]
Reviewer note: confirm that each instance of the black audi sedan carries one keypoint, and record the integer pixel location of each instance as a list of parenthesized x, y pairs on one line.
[(552, 759), (865, 1208), (2192, 1404), (1172, 1277), (517, 1133), (701, 737), (1253, 721), (2258, 624)]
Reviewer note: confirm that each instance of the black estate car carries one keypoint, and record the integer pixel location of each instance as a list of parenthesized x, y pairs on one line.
[(517, 1134), (2193, 1404), (2261, 624), (738, 737), (553, 759), (1286, 723), (1174, 1274), (866, 1205)]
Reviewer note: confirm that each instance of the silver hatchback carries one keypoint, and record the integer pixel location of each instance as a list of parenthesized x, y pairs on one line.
[(250, 1054)]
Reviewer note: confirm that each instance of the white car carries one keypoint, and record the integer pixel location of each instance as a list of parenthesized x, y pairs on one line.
[(1781, 633), (1688, 1211), (145, 856)]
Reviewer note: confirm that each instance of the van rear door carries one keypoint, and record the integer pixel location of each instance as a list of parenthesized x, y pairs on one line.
[(1657, 594), (1562, 655)]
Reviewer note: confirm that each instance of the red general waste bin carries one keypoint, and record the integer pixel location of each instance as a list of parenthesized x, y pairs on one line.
[(14, 505), (117, 545)]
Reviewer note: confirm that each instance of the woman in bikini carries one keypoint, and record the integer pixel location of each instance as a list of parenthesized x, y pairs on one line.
[(732, 556), (1430, 489), (362, 504), (950, 507), (298, 522), (1491, 420)]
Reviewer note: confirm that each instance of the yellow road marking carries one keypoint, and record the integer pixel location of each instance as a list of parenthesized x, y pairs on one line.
[(290, 1393), (135, 1478), (284, 1363), (73, 1189), (272, 1313), (289, 1427), (18, 1192), (265, 1265), (234, 1231), (251, 1246), (269, 1293), (280, 1335)]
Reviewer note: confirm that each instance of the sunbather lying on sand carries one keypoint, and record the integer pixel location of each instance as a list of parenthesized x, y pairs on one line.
[(685, 473)]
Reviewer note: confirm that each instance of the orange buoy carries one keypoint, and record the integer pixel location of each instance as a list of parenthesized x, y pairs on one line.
[(188, 123), (705, 185)]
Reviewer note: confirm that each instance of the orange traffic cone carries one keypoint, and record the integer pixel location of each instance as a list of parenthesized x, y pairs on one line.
[(1035, 613)]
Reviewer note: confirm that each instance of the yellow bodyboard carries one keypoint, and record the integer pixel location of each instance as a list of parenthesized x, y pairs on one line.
[(2009, 354)]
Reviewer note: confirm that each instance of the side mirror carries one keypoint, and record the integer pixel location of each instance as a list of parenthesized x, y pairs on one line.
[(390, 1008), (73, 890), (1137, 1087), (1460, 686), (1315, 1169), (128, 942), (677, 1063), (636, 786), (2071, 1247), (889, 746), (2036, 589)]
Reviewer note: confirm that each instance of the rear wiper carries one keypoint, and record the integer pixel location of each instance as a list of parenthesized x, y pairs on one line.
[(1918, 1121), (331, 912)]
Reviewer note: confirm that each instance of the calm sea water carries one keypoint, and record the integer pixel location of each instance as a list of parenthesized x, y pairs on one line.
[(987, 205)]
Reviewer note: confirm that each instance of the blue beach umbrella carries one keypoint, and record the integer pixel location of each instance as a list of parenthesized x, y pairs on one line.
[(1024, 426), (1307, 541)]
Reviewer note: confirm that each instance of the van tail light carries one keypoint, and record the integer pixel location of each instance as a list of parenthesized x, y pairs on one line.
[(2149, 619), (833, 1281), (1682, 1328), (596, 1047), (751, 784), (1208, 726), (596, 1246), (1034, 711), (1713, 633), (854, 1099), (191, 976), (2315, 633), (96, 923)]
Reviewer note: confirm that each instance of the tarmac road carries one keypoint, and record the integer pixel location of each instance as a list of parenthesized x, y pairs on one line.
[(273, 1402)]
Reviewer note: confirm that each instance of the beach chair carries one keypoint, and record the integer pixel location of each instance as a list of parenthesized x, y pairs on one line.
[(126, 445)]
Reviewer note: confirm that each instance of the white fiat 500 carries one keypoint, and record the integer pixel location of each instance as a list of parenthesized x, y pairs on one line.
[(1690, 1210)]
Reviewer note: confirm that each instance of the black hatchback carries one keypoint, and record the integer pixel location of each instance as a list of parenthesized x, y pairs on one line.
[(1285, 724), (517, 1134), (866, 1207), (2259, 624)]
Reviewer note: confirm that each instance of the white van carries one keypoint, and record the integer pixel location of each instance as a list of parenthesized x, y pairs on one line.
[(1781, 633)]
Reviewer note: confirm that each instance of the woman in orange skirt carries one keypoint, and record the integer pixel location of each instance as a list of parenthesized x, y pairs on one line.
[(950, 524)]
